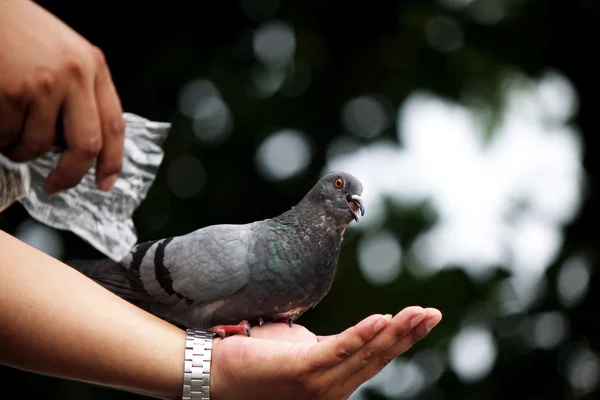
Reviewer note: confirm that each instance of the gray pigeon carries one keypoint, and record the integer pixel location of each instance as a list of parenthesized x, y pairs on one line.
[(221, 277)]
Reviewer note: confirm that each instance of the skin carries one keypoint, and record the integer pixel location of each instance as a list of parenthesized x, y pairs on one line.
[(56, 321), (49, 72)]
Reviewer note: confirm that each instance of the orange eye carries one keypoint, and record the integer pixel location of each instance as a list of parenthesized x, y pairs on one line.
[(338, 183)]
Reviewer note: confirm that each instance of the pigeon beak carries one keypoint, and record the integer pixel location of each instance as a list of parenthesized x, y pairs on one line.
[(355, 203)]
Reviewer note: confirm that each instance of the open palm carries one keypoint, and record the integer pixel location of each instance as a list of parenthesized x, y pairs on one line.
[(293, 363)]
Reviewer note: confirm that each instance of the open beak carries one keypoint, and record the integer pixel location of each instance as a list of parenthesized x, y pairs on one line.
[(355, 203)]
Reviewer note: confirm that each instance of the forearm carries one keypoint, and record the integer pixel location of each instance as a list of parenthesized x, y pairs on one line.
[(55, 321)]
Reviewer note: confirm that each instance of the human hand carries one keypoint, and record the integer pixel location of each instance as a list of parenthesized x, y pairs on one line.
[(47, 69), (277, 361)]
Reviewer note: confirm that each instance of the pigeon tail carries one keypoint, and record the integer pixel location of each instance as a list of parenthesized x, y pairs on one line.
[(112, 276)]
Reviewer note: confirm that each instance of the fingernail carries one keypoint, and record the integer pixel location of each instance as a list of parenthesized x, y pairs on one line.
[(107, 183), (383, 321), (432, 323), (416, 320)]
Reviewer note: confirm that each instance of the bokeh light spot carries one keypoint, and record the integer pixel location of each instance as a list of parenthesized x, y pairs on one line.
[(583, 371), (267, 80), (298, 80), (283, 155), (365, 116), (399, 379), (432, 362), (379, 257), (40, 236), (572, 281), (549, 329), (202, 102), (443, 34), (274, 42), (488, 12), (472, 353), (186, 176), (455, 4)]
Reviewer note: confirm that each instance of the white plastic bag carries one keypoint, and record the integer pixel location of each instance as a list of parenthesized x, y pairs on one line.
[(104, 219)]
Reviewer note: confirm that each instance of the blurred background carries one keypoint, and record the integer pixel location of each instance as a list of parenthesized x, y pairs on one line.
[(471, 124)]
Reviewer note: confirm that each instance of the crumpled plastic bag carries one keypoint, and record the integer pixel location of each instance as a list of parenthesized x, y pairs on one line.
[(104, 219)]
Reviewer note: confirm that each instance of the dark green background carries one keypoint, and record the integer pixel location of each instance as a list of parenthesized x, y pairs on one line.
[(154, 49)]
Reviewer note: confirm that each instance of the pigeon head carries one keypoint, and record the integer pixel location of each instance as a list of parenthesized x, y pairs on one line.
[(338, 193)]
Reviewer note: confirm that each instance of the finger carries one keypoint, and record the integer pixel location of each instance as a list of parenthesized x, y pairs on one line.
[(83, 137), (39, 128), (12, 117), (110, 160), (399, 328), (373, 367), (432, 318), (335, 349)]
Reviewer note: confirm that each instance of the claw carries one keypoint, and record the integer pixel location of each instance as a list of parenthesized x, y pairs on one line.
[(261, 322), (290, 322), (218, 331)]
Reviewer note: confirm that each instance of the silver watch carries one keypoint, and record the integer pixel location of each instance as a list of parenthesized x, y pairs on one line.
[(196, 369)]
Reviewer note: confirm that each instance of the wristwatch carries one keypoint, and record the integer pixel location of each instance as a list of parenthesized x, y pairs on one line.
[(196, 368)]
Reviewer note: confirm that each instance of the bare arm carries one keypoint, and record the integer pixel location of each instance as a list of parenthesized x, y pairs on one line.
[(56, 321)]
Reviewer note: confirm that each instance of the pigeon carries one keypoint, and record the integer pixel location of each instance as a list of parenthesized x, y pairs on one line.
[(220, 278)]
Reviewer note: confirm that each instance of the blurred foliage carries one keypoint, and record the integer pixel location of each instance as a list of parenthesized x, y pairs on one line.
[(379, 48)]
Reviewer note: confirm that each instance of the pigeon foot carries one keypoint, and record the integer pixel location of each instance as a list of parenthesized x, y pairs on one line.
[(228, 330)]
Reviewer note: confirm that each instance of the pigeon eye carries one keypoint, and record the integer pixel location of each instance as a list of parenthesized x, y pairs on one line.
[(338, 183)]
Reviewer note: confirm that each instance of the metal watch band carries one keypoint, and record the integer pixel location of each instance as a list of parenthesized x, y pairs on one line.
[(196, 369)]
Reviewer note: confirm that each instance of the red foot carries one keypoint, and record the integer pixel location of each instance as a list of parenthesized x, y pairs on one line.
[(226, 330)]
